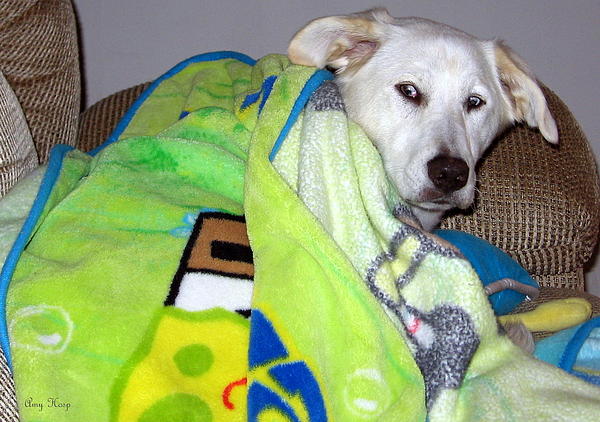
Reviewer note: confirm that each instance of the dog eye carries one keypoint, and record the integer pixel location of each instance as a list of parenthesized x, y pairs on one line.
[(409, 91), (474, 102)]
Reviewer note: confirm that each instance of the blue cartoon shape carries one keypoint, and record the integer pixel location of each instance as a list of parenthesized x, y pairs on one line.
[(264, 398), (297, 379), (189, 219), (265, 345), (270, 359), (265, 90)]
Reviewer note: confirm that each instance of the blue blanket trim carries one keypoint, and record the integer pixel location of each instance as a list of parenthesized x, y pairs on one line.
[(54, 166), (126, 119), (311, 85), (53, 171), (592, 379), (572, 349)]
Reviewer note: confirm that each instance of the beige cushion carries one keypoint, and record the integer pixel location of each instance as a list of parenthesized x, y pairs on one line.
[(17, 151), (40, 59), (8, 403)]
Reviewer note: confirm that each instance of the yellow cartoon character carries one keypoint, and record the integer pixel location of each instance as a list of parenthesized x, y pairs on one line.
[(193, 369), (192, 364)]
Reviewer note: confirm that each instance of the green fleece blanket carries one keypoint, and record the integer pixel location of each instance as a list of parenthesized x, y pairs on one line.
[(235, 252)]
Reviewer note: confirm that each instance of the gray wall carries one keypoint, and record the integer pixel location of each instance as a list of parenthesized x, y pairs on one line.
[(126, 42)]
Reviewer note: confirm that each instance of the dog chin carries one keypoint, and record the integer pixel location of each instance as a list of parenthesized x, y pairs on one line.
[(428, 218), (429, 213)]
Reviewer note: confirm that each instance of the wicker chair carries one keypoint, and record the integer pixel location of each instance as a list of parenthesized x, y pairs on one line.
[(539, 203)]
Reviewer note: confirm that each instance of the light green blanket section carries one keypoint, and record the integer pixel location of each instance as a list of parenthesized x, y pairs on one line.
[(105, 251), (327, 170), (308, 289), (102, 258), (15, 206)]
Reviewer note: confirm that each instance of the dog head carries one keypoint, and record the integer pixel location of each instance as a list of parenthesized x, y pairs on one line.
[(430, 97)]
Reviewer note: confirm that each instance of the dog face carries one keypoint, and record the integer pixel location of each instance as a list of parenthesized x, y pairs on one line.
[(430, 97)]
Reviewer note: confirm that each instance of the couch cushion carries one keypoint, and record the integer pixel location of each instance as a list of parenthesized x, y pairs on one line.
[(39, 57), (17, 152), (8, 402)]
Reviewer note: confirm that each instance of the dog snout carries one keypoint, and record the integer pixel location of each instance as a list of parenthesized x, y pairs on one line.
[(448, 174)]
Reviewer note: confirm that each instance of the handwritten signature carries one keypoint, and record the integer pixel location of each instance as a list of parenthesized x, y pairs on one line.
[(50, 403)]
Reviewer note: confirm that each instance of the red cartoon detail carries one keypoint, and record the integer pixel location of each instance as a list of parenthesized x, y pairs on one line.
[(414, 325), (227, 392)]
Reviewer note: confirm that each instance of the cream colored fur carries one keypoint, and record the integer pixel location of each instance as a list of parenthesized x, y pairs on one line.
[(373, 54)]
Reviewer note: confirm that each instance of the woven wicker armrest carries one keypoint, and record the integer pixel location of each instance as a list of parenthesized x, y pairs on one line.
[(97, 122), (538, 202)]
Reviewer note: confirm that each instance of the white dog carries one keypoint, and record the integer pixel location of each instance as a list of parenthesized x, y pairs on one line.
[(430, 97)]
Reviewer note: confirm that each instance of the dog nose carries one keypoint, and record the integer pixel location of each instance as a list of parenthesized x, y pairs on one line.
[(448, 174)]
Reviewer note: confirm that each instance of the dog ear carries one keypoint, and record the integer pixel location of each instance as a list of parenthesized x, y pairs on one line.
[(527, 101), (339, 42)]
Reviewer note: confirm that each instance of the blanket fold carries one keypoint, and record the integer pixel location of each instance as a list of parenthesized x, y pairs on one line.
[(236, 252)]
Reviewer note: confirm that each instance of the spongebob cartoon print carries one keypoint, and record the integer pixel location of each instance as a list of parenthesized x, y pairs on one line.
[(216, 268), (192, 363)]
